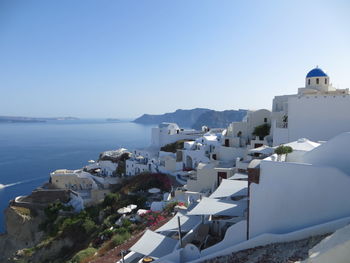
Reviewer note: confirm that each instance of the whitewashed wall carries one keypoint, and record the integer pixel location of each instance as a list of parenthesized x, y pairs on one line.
[(229, 153), (291, 196), (318, 118), (206, 179)]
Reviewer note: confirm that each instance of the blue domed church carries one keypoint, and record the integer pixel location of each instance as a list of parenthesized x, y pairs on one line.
[(317, 112)]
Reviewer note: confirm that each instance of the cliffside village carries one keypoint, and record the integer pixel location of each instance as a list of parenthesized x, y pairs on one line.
[(238, 192)]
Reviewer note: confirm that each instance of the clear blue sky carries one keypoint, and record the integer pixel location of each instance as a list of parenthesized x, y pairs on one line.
[(124, 58)]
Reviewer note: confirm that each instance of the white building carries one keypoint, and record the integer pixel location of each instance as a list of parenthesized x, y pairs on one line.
[(167, 162), (141, 162), (239, 134), (102, 168), (72, 179), (294, 195), (317, 112), (200, 150), (167, 133), (92, 189), (214, 156), (208, 176)]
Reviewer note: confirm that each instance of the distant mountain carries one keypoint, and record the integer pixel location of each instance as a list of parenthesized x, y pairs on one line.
[(113, 120), (184, 118), (32, 119), (195, 118), (219, 119)]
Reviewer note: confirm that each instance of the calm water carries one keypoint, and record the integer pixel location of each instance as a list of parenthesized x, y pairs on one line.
[(30, 151)]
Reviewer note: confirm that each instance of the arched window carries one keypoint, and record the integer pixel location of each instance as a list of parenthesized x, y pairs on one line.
[(317, 81)]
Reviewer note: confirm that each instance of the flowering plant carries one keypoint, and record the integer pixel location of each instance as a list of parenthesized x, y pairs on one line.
[(152, 218)]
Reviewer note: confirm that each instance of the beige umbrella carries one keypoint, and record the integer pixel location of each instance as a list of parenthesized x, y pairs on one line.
[(141, 211), (132, 207), (124, 210)]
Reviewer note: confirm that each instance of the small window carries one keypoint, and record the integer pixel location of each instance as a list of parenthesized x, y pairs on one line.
[(325, 81), (309, 81), (317, 81), (265, 120)]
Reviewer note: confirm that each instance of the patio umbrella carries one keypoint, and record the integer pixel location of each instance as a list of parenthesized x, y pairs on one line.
[(132, 207), (180, 207), (141, 211), (154, 190), (124, 210)]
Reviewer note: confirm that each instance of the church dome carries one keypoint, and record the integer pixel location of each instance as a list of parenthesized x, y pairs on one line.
[(316, 72)]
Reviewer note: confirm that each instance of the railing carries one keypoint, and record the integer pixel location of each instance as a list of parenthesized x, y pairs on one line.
[(282, 125)]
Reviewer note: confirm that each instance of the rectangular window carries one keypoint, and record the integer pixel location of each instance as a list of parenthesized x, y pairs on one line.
[(265, 120), (325, 81), (317, 81)]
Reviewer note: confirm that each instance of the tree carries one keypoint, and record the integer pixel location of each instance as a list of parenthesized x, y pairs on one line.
[(280, 150), (262, 130)]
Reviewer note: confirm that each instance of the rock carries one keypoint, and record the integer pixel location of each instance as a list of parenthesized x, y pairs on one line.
[(22, 226)]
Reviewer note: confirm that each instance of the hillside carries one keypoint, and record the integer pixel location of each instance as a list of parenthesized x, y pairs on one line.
[(184, 118), (219, 119), (195, 118)]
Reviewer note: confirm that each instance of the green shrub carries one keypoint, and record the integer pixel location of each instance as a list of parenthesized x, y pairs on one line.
[(51, 211), (121, 169), (107, 234), (83, 254), (89, 226), (126, 223), (51, 225), (262, 130), (121, 230), (280, 150), (79, 227), (111, 199), (173, 147), (146, 181), (119, 239), (93, 212)]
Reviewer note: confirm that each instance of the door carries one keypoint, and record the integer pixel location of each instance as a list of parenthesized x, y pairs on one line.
[(221, 175)]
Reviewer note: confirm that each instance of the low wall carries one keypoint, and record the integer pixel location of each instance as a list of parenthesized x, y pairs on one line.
[(32, 206), (45, 196), (268, 238)]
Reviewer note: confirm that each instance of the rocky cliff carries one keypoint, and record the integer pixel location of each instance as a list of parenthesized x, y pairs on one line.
[(184, 118), (219, 119), (22, 225), (195, 118)]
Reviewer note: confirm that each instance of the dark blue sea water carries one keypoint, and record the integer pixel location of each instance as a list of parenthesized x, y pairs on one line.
[(30, 151)]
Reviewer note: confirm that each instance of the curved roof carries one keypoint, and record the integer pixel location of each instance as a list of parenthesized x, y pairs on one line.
[(303, 144), (316, 72), (332, 153)]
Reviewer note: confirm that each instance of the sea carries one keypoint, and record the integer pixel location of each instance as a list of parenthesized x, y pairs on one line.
[(30, 151)]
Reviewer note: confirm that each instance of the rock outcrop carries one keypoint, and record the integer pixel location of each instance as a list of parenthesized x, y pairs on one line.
[(22, 225)]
